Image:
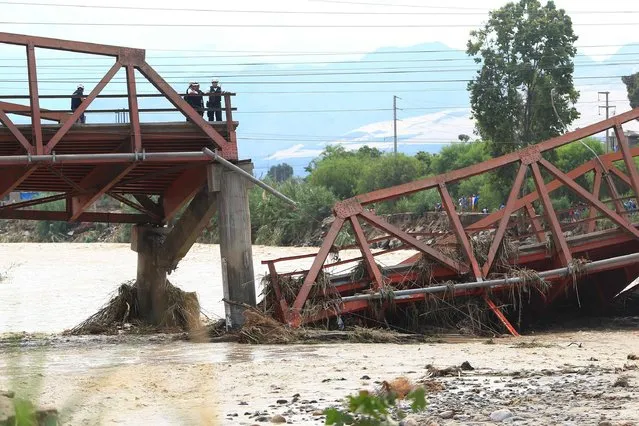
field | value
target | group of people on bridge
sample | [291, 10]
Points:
[194, 97]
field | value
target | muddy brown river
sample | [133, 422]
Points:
[567, 378]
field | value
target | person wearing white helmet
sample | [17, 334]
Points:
[214, 105]
[76, 100]
[194, 98]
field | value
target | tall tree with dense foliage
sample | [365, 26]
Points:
[632, 84]
[280, 172]
[525, 51]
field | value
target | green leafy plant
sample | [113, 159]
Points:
[366, 409]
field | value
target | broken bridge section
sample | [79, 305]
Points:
[527, 243]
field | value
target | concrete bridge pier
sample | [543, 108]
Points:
[148, 242]
[160, 249]
[234, 223]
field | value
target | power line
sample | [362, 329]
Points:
[320, 71]
[438, 10]
[248, 82]
[376, 52]
[195, 25]
[395, 5]
[478, 9]
[89, 67]
[252, 53]
[323, 92]
[318, 111]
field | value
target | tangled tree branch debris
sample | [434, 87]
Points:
[122, 313]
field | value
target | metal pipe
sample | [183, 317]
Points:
[597, 266]
[248, 176]
[107, 157]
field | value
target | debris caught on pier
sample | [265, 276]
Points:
[122, 313]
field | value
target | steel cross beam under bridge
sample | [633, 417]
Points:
[544, 239]
[153, 168]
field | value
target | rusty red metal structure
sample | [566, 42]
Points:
[609, 246]
[130, 162]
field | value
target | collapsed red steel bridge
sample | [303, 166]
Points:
[608, 239]
[161, 166]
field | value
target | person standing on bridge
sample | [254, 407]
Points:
[194, 97]
[76, 100]
[214, 104]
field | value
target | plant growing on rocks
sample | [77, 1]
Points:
[366, 409]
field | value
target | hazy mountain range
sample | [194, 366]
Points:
[289, 110]
[432, 113]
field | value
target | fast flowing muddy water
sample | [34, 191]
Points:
[578, 378]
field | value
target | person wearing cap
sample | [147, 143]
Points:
[214, 105]
[76, 100]
[194, 97]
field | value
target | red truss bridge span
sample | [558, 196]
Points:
[596, 251]
[154, 168]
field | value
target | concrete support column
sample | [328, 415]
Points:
[147, 241]
[235, 243]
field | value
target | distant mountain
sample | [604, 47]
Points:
[433, 114]
[289, 111]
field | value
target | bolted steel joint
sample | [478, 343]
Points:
[348, 208]
[131, 57]
[530, 155]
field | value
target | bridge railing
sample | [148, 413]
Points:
[130, 60]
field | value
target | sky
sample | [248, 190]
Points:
[333, 30]
[435, 22]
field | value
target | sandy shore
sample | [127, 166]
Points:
[566, 378]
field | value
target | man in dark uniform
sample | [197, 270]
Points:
[194, 97]
[215, 102]
[76, 100]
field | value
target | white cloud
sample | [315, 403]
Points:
[438, 127]
[296, 151]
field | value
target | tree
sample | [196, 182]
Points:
[425, 159]
[459, 155]
[280, 173]
[340, 170]
[387, 171]
[632, 84]
[525, 51]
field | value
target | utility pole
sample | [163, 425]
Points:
[395, 123]
[610, 145]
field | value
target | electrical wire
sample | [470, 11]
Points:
[248, 82]
[304, 26]
[438, 10]
[250, 54]
[320, 71]
[319, 92]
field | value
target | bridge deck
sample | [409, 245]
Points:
[146, 178]
[106, 138]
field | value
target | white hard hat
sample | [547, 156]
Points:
[80, 86]
[215, 80]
